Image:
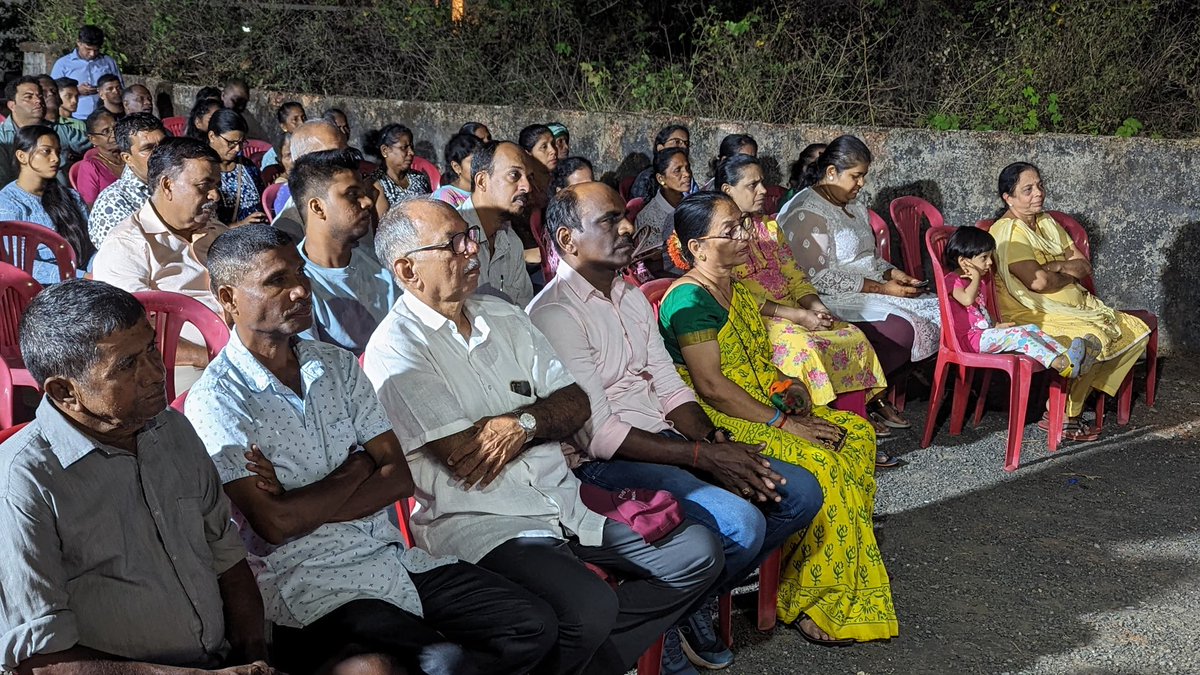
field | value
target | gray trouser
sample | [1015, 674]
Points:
[602, 629]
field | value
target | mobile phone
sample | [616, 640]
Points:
[922, 283]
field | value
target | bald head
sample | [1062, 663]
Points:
[407, 224]
[315, 136]
[588, 226]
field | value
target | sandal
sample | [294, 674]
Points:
[881, 430]
[886, 461]
[1076, 431]
[887, 415]
[845, 642]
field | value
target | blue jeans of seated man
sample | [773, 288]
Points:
[748, 532]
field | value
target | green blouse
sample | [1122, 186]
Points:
[689, 315]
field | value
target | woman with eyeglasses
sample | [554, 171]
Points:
[810, 343]
[241, 186]
[396, 180]
[833, 586]
[36, 196]
[102, 165]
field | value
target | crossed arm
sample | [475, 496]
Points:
[1054, 275]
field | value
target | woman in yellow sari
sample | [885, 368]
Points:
[833, 585]
[1037, 281]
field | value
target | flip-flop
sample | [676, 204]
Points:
[891, 423]
[886, 461]
[846, 642]
[881, 430]
[1075, 431]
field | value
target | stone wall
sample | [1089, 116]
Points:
[1138, 198]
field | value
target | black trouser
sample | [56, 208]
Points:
[474, 622]
[601, 629]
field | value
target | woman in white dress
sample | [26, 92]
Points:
[831, 239]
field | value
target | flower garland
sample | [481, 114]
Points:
[675, 250]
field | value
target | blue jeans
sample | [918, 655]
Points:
[748, 533]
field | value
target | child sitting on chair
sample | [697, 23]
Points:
[969, 254]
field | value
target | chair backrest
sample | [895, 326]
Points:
[985, 224]
[73, 175]
[883, 236]
[169, 312]
[268, 174]
[19, 241]
[774, 198]
[403, 513]
[655, 290]
[429, 169]
[11, 431]
[907, 213]
[625, 185]
[178, 403]
[254, 150]
[633, 207]
[176, 126]
[549, 255]
[17, 290]
[630, 278]
[268, 199]
[935, 242]
[6, 397]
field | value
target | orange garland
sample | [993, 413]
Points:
[675, 250]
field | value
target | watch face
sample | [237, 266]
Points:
[528, 422]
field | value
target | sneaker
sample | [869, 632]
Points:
[674, 661]
[1076, 354]
[700, 641]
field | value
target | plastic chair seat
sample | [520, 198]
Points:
[169, 312]
[268, 199]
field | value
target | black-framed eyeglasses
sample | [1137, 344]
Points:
[459, 244]
[107, 133]
[232, 144]
[742, 231]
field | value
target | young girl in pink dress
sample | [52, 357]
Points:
[969, 254]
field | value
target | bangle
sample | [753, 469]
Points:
[773, 420]
[695, 453]
[782, 420]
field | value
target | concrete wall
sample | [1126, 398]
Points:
[1138, 198]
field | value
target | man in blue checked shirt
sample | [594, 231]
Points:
[86, 65]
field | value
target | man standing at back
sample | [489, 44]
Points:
[501, 193]
[86, 65]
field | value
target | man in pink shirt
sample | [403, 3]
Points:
[646, 428]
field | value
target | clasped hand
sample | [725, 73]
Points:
[481, 459]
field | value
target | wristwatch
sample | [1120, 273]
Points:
[529, 424]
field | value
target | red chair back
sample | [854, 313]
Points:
[268, 199]
[169, 312]
[19, 241]
[907, 213]
[633, 207]
[73, 175]
[11, 431]
[1079, 237]
[549, 255]
[883, 236]
[270, 173]
[774, 199]
[254, 149]
[655, 290]
[631, 278]
[17, 290]
[178, 403]
[176, 126]
[427, 167]
[403, 513]
[624, 186]
[985, 224]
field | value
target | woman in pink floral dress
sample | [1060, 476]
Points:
[831, 356]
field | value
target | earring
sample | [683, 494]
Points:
[703, 258]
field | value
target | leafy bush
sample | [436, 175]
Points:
[1126, 67]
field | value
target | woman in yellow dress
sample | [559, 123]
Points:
[1038, 274]
[833, 584]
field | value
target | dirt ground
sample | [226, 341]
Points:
[1085, 561]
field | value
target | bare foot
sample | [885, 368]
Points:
[810, 628]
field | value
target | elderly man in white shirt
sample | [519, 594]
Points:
[480, 403]
[332, 567]
[501, 192]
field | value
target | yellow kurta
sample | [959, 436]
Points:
[1122, 336]
[830, 362]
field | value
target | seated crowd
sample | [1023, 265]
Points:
[586, 471]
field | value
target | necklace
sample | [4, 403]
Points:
[711, 286]
[114, 165]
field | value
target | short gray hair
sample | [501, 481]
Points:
[304, 141]
[399, 232]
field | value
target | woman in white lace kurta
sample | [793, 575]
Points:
[831, 239]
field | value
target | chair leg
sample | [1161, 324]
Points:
[1125, 399]
[1018, 403]
[768, 591]
[650, 662]
[1057, 412]
[981, 402]
[1151, 367]
[935, 401]
[958, 405]
[725, 619]
[1100, 410]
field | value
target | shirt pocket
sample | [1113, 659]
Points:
[341, 437]
[192, 528]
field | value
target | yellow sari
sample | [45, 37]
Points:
[833, 572]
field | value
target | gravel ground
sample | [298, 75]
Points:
[1085, 561]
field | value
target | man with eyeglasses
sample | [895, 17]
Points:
[137, 136]
[351, 291]
[480, 404]
[26, 105]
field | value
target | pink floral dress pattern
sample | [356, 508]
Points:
[830, 362]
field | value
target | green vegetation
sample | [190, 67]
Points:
[1123, 67]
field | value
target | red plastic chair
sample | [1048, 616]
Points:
[73, 175]
[6, 396]
[178, 403]
[1124, 397]
[19, 241]
[268, 199]
[774, 199]
[176, 126]
[633, 207]
[625, 185]
[427, 167]
[17, 290]
[268, 174]
[169, 312]
[907, 213]
[768, 572]
[549, 255]
[883, 235]
[1020, 371]
[254, 150]
[11, 431]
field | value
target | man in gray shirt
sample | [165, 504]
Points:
[118, 550]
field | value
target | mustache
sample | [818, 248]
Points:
[473, 264]
[625, 240]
